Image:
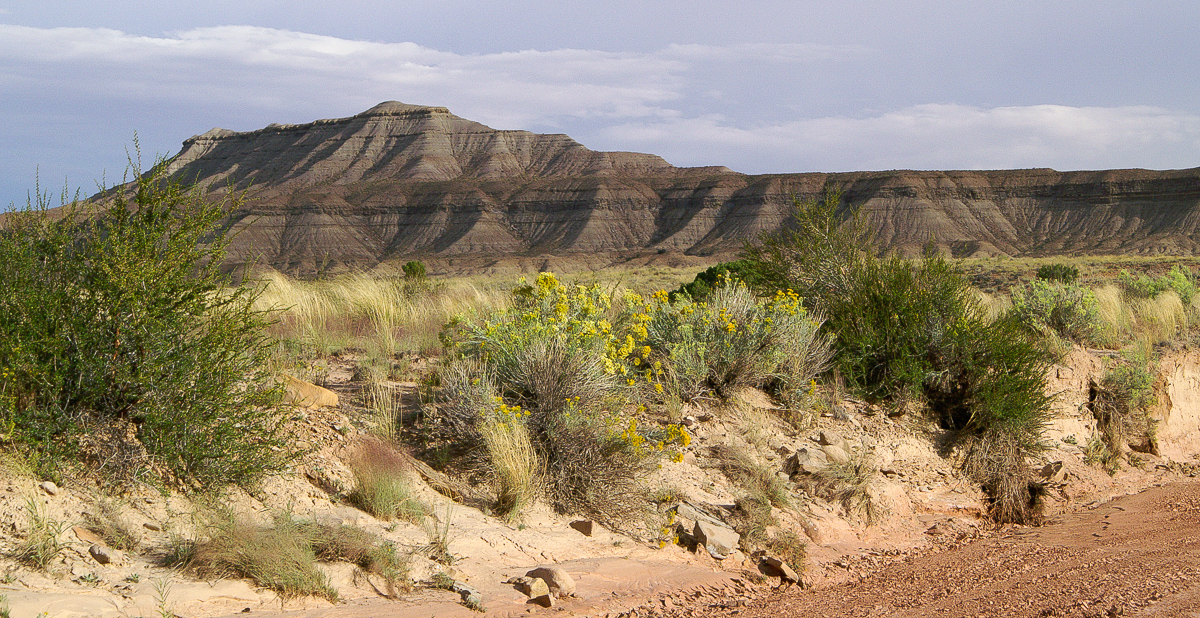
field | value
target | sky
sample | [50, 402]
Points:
[760, 86]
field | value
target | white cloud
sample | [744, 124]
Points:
[752, 106]
[934, 136]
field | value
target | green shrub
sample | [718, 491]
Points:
[1120, 402]
[414, 270]
[1068, 310]
[1060, 273]
[708, 280]
[122, 314]
[561, 363]
[914, 330]
[1179, 279]
[733, 340]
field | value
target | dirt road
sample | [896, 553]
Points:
[1134, 556]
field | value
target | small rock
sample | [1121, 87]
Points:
[49, 487]
[785, 450]
[689, 421]
[87, 536]
[836, 453]
[718, 540]
[806, 461]
[152, 526]
[101, 554]
[704, 418]
[1054, 472]
[781, 569]
[584, 526]
[829, 438]
[560, 581]
[935, 530]
[532, 587]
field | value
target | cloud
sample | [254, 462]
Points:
[755, 107]
[934, 136]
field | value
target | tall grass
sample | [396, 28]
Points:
[381, 484]
[361, 310]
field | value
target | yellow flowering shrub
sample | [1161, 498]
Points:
[732, 340]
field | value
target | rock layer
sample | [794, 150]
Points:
[402, 181]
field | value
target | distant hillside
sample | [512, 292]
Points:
[399, 182]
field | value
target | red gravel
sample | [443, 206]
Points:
[1134, 556]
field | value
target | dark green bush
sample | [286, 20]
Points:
[913, 330]
[1062, 273]
[115, 321]
[414, 269]
[707, 281]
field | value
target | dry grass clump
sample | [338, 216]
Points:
[760, 483]
[847, 483]
[514, 462]
[279, 557]
[111, 525]
[381, 484]
[283, 556]
[1161, 318]
[1116, 316]
[360, 548]
[43, 542]
[1119, 402]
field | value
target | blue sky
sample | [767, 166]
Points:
[759, 86]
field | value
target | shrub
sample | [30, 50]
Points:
[1179, 279]
[708, 280]
[914, 330]
[1068, 310]
[733, 340]
[122, 314]
[381, 484]
[1120, 402]
[414, 270]
[1060, 273]
[560, 363]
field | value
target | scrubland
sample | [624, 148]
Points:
[129, 363]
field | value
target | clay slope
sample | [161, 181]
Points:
[401, 181]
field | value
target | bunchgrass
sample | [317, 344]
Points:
[108, 522]
[382, 485]
[846, 483]
[514, 463]
[43, 541]
[279, 557]
[760, 483]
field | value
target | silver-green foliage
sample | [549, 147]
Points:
[1065, 309]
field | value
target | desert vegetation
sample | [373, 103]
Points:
[127, 357]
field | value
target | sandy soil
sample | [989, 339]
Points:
[1133, 556]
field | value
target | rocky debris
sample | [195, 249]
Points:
[102, 554]
[49, 487]
[807, 461]
[836, 454]
[779, 568]
[470, 596]
[87, 536]
[583, 526]
[561, 583]
[535, 588]
[830, 438]
[719, 540]
[1054, 472]
[306, 394]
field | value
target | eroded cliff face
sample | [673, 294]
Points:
[401, 181]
